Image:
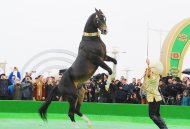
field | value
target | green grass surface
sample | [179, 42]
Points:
[61, 121]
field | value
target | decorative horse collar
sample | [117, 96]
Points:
[91, 34]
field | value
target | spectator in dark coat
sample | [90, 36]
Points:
[27, 87]
[48, 87]
[4, 83]
[162, 87]
[178, 85]
[103, 90]
[179, 99]
[168, 79]
[112, 91]
[17, 90]
[132, 86]
[137, 89]
[26, 76]
[121, 94]
[171, 88]
[134, 99]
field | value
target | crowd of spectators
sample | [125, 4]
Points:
[13, 88]
[173, 90]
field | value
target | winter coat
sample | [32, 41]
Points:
[4, 87]
[122, 93]
[27, 90]
[39, 90]
[17, 92]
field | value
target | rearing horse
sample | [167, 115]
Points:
[91, 55]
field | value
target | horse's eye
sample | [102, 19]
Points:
[103, 18]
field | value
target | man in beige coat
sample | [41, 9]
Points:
[150, 85]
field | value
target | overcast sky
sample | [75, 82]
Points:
[28, 27]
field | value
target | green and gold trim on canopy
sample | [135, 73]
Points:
[175, 47]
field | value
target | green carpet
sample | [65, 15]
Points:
[61, 121]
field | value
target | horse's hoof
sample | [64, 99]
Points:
[115, 61]
[76, 125]
[110, 72]
[90, 126]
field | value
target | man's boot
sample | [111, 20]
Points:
[162, 122]
[157, 121]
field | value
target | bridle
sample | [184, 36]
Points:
[99, 22]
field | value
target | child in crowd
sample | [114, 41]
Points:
[186, 99]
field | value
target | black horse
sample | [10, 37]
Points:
[91, 55]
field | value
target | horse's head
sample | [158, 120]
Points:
[100, 21]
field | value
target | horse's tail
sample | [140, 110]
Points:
[44, 107]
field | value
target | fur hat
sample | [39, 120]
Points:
[157, 67]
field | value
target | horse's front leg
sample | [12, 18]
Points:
[104, 66]
[108, 58]
[96, 60]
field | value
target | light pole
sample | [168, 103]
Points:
[127, 72]
[3, 66]
[115, 52]
[48, 73]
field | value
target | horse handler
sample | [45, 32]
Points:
[150, 85]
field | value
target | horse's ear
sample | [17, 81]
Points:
[96, 11]
[100, 11]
